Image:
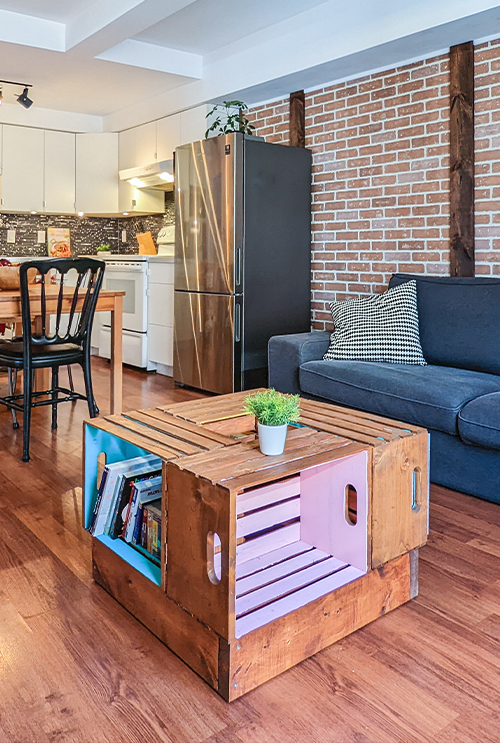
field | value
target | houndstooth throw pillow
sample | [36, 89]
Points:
[382, 327]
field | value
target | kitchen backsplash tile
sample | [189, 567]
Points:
[86, 233]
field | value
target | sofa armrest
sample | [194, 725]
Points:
[287, 352]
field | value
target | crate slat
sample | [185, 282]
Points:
[267, 494]
[287, 584]
[183, 447]
[281, 570]
[274, 557]
[296, 600]
[265, 518]
[172, 429]
[267, 542]
[322, 408]
[279, 471]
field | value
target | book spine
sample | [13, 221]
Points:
[149, 541]
[129, 527]
[144, 527]
[136, 536]
[106, 502]
[97, 504]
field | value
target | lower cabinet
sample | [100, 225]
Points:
[161, 316]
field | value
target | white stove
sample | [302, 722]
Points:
[129, 273]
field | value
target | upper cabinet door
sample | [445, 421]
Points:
[193, 124]
[126, 149]
[59, 173]
[97, 173]
[168, 136]
[145, 144]
[23, 169]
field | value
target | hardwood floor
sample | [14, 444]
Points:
[75, 667]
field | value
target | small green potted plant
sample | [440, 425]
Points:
[230, 118]
[274, 411]
[103, 248]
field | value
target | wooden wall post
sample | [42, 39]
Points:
[462, 159]
[297, 119]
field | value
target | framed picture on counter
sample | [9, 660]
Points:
[58, 242]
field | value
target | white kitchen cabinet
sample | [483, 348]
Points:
[168, 136]
[137, 146]
[97, 173]
[22, 180]
[161, 316]
[193, 124]
[59, 173]
[126, 149]
[145, 144]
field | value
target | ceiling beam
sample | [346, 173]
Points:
[154, 57]
[93, 31]
[25, 30]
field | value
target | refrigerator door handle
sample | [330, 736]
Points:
[237, 277]
[237, 323]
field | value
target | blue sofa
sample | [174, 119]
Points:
[456, 397]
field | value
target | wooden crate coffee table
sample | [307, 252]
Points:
[266, 560]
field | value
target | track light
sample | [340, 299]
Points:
[24, 100]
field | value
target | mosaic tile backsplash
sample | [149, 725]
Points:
[86, 233]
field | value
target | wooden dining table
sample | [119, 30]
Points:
[107, 301]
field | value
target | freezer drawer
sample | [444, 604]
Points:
[206, 342]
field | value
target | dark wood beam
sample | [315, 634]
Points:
[297, 119]
[462, 159]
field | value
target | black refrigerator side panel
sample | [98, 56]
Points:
[277, 250]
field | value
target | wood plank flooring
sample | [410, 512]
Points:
[75, 667]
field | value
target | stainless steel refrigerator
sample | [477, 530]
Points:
[242, 257]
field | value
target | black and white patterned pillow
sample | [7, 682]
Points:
[381, 327]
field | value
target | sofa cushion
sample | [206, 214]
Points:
[458, 319]
[429, 396]
[479, 421]
[379, 327]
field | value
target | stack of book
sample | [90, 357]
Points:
[128, 504]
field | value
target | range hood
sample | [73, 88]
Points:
[158, 175]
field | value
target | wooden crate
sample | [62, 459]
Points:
[399, 470]
[270, 559]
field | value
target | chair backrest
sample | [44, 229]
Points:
[67, 291]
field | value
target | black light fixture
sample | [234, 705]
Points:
[23, 98]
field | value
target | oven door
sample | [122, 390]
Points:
[132, 279]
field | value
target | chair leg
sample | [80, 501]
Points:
[27, 399]
[87, 376]
[70, 377]
[12, 391]
[55, 382]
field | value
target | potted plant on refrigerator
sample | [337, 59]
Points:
[230, 118]
[273, 411]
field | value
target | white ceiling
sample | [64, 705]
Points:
[112, 64]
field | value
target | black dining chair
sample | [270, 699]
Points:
[45, 344]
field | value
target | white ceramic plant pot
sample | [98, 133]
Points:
[272, 438]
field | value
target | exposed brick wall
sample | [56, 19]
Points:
[380, 178]
[487, 157]
[272, 121]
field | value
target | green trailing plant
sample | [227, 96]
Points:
[102, 248]
[230, 118]
[273, 408]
